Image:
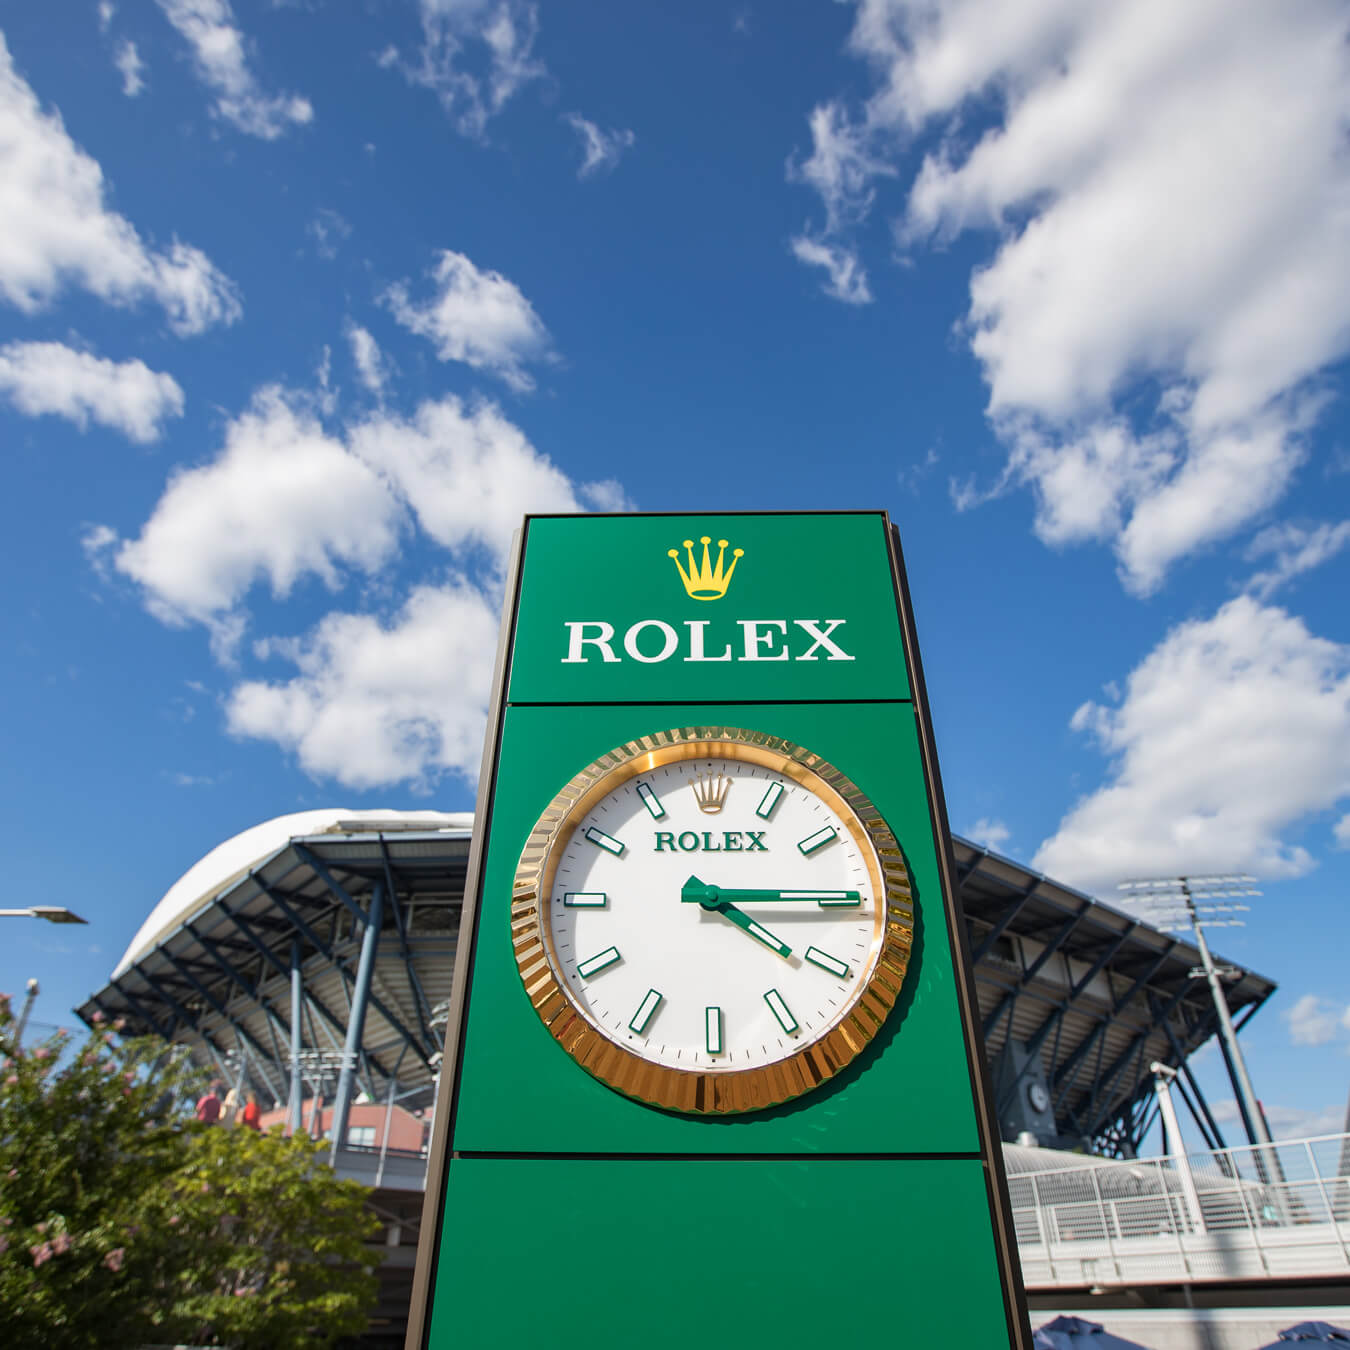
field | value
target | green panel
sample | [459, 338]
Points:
[616, 570]
[616, 1254]
[520, 1092]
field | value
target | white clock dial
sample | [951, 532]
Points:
[712, 915]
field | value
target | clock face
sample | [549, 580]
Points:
[713, 922]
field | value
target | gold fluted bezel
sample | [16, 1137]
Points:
[715, 1090]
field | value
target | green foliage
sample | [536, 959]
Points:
[123, 1221]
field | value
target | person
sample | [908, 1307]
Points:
[229, 1108]
[251, 1115]
[208, 1107]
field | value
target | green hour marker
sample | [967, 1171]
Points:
[585, 899]
[826, 962]
[605, 841]
[712, 1021]
[770, 799]
[812, 842]
[651, 801]
[593, 965]
[644, 1013]
[781, 1011]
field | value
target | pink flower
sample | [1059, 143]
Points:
[41, 1253]
[97, 1018]
[206, 1188]
[61, 1244]
[42, 1053]
[12, 1173]
[119, 1024]
[130, 1077]
[173, 1220]
[11, 1080]
[39, 1227]
[114, 1259]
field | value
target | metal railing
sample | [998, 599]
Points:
[1279, 1210]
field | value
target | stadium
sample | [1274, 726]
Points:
[309, 959]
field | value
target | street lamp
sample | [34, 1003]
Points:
[52, 913]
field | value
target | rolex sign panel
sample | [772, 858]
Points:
[713, 1065]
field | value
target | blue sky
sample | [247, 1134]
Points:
[303, 304]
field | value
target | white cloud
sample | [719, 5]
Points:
[1315, 1021]
[286, 499]
[1297, 549]
[846, 276]
[988, 832]
[130, 66]
[220, 60]
[376, 704]
[476, 317]
[1293, 1122]
[281, 501]
[1340, 832]
[369, 361]
[106, 10]
[841, 167]
[606, 495]
[58, 232]
[329, 229]
[468, 474]
[1172, 205]
[47, 377]
[476, 54]
[601, 150]
[1231, 730]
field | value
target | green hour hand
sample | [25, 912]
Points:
[696, 890]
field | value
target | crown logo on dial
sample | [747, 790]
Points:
[705, 580]
[710, 791]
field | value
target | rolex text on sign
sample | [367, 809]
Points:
[654, 640]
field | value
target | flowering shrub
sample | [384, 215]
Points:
[123, 1221]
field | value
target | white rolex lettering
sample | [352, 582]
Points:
[812, 629]
[577, 638]
[755, 639]
[630, 640]
[696, 629]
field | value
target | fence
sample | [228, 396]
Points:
[1277, 1211]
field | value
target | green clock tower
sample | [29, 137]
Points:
[712, 1068]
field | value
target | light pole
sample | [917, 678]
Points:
[52, 913]
[1191, 902]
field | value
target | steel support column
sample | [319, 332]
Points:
[356, 1022]
[295, 1104]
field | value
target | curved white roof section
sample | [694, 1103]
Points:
[227, 862]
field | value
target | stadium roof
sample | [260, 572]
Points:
[1094, 994]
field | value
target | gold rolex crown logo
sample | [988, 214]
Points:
[710, 791]
[704, 581]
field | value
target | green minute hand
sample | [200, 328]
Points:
[696, 890]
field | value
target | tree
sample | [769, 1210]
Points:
[124, 1221]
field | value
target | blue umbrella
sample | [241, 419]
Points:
[1077, 1333]
[1311, 1333]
